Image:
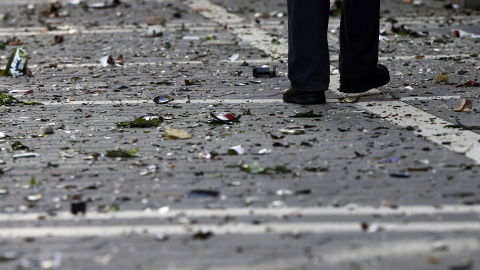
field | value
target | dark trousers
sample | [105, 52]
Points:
[308, 57]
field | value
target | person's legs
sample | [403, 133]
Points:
[308, 58]
[359, 30]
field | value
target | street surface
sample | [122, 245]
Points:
[384, 180]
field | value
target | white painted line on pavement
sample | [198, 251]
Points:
[83, 31]
[428, 126]
[237, 229]
[427, 56]
[166, 212]
[390, 102]
[275, 46]
[429, 98]
[210, 61]
[184, 101]
[163, 63]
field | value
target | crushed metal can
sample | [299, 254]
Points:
[264, 72]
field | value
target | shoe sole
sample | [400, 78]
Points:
[308, 99]
[355, 89]
[304, 101]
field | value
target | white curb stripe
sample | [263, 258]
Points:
[276, 47]
[209, 61]
[160, 63]
[237, 229]
[364, 104]
[428, 126]
[166, 212]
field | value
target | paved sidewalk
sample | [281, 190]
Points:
[385, 180]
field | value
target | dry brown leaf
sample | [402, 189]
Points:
[200, 9]
[261, 15]
[466, 106]
[442, 78]
[175, 134]
[155, 20]
[433, 259]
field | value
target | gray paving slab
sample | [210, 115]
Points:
[348, 157]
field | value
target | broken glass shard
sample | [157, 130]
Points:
[225, 117]
[460, 34]
[3, 190]
[264, 151]
[168, 116]
[162, 99]
[105, 4]
[192, 82]
[17, 64]
[275, 137]
[9, 256]
[161, 237]
[42, 261]
[47, 129]
[122, 153]
[280, 144]
[390, 160]
[303, 192]
[107, 61]
[317, 169]
[20, 91]
[201, 193]
[284, 192]
[294, 131]
[7, 100]
[308, 114]
[25, 155]
[33, 197]
[19, 146]
[469, 83]
[116, 85]
[234, 57]
[4, 135]
[203, 234]
[145, 121]
[400, 174]
[466, 264]
[154, 31]
[236, 150]
[419, 169]
[255, 168]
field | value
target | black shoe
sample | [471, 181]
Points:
[303, 97]
[359, 85]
